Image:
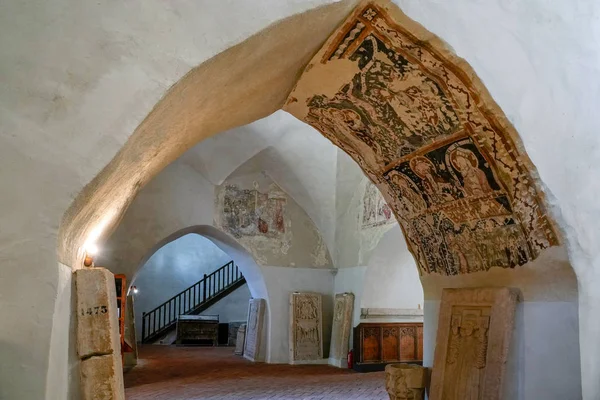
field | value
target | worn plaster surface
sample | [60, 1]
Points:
[79, 77]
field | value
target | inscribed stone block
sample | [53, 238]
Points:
[474, 330]
[97, 320]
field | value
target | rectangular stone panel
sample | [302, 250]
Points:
[97, 321]
[239, 342]
[130, 357]
[102, 378]
[474, 330]
[306, 327]
[252, 345]
[341, 329]
[233, 328]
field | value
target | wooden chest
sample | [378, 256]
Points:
[197, 329]
[378, 344]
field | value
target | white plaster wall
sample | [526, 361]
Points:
[78, 77]
[282, 281]
[232, 308]
[177, 198]
[392, 278]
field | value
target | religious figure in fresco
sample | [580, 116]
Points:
[436, 188]
[376, 212]
[443, 152]
[411, 201]
[474, 181]
[251, 212]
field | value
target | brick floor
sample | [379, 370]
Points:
[178, 373]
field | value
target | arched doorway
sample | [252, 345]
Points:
[469, 171]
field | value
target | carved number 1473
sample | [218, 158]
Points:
[94, 310]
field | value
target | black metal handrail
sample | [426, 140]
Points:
[163, 317]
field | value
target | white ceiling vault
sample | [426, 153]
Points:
[292, 153]
[77, 78]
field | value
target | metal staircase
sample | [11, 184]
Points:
[192, 300]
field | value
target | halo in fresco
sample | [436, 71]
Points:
[425, 130]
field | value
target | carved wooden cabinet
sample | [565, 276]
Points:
[378, 344]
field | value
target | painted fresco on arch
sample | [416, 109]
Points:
[423, 128]
[250, 212]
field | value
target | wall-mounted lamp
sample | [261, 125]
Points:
[135, 289]
[90, 251]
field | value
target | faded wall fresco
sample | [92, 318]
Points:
[248, 212]
[376, 212]
[425, 130]
[268, 223]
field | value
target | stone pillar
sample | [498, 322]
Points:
[405, 381]
[98, 342]
[130, 357]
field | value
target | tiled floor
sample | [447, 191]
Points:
[177, 373]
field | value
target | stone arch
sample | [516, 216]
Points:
[242, 258]
[193, 109]
[228, 245]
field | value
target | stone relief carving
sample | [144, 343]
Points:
[306, 327]
[471, 351]
[341, 329]
[425, 130]
[405, 381]
[252, 344]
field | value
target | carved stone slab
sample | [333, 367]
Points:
[131, 358]
[256, 313]
[341, 329]
[239, 342]
[474, 330]
[306, 327]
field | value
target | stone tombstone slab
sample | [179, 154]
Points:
[405, 381]
[130, 358]
[306, 327]
[256, 313]
[341, 329]
[102, 378]
[474, 332]
[239, 342]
